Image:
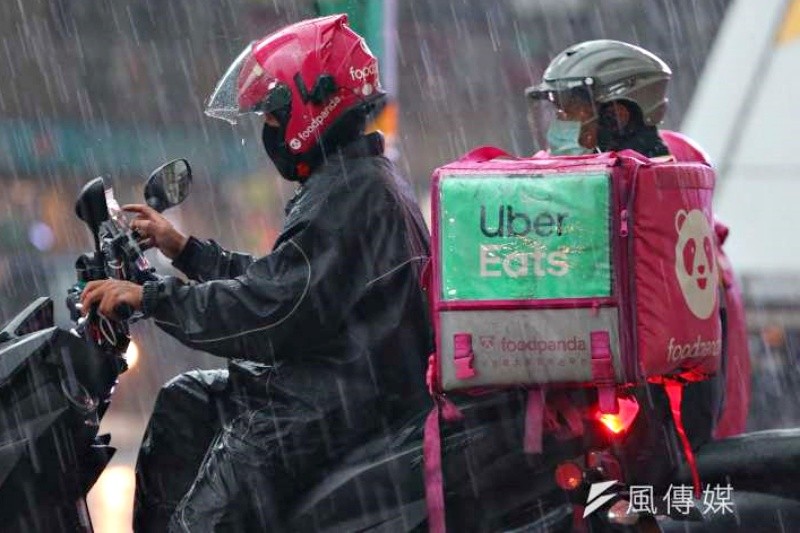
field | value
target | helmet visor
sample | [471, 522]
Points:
[246, 87]
[544, 90]
[545, 105]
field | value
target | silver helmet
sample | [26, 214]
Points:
[609, 71]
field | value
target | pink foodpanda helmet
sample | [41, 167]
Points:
[317, 77]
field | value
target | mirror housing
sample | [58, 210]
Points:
[168, 185]
[91, 207]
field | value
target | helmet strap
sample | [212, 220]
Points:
[323, 88]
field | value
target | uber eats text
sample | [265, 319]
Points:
[497, 260]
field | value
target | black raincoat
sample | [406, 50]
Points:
[327, 337]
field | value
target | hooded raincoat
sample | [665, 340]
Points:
[327, 337]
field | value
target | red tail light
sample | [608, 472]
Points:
[568, 476]
[620, 422]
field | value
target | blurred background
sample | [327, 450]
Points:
[116, 88]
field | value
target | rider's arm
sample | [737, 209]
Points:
[207, 260]
[298, 294]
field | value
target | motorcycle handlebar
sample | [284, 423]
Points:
[124, 312]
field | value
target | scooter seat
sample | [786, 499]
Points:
[380, 486]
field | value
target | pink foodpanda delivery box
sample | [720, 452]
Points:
[590, 271]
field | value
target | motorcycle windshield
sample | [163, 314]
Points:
[115, 212]
[246, 87]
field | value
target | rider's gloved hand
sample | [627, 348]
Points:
[111, 297]
[156, 230]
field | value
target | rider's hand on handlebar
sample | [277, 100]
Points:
[111, 295]
[156, 230]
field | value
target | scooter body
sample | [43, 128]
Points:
[56, 383]
[54, 388]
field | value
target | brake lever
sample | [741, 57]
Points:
[84, 320]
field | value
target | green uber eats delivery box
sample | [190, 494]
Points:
[590, 271]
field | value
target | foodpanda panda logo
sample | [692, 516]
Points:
[695, 263]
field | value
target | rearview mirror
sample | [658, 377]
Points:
[91, 206]
[168, 185]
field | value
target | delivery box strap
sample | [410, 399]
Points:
[674, 390]
[432, 455]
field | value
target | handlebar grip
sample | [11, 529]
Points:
[137, 237]
[123, 311]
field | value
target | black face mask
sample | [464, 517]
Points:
[278, 152]
[298, 167]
